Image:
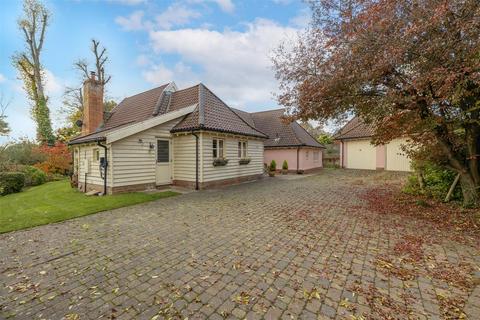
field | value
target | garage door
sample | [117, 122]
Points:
[396, 160]
[361, 154]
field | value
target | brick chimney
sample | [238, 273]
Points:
[92, 104]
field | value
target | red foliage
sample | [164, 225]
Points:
[58, 159]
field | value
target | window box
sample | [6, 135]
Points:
[220, 162]
[244, 161]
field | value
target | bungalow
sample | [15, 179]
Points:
[288, 141]
[166, 136]
[357, 152]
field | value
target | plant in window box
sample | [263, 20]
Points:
[220, 162]
[244, 161]
[272, 168]
[285, 167]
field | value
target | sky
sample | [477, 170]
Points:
[225, 44]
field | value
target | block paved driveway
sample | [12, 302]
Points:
[279, 248]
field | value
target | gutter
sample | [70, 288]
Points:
[106, 167]
[196, 159]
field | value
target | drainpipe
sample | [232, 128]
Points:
[106, 167]
[196, 159]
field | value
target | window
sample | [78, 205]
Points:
[217, 148]
[316, 155]
[306, 154]
[96, 154]
[163, 151]
[242, 149]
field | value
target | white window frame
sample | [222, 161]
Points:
[306, 154]
[316, 156]
[218, 148]
[242, 149]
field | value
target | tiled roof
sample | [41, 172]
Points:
[281, 133]
[355, 128]
[135, 108]
[212, 114]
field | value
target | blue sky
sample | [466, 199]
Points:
[225, 44]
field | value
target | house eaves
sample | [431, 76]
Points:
[116, 135]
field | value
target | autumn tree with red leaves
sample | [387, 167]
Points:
[410, 68]
[58, 159]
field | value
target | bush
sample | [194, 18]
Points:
[273, 166]
[11, 182]
[21, 152]
[285, 165]
[437, 182]
[34, 176]
[58, 159]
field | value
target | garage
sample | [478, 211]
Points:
[356, 151]
[396, 159]
[360, 155]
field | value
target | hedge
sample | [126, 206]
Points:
[34, 176]
[11, 182]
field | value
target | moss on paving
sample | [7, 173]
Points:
[57, 201]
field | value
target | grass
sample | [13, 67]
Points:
[57, 201]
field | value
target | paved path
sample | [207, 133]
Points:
[305, 248]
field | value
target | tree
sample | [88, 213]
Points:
[4, 127]
[73, 96]
[314, 131]
[33, 24]
[405, 74]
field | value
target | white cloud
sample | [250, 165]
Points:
[175, 15]
[226, 5]
[2, 78]
[235, 64]
[132, 22]
[181, 73]
[302, 19]
[53, 85]
[128, 2]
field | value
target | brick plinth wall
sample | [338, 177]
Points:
[216, 183]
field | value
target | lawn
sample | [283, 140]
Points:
[57, 201]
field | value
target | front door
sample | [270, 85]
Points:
[163, 171]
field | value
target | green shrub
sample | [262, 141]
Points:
[273, 165]
[437, 182]
[11, 182]
[34, 176]
[285, 165]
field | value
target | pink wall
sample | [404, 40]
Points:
[380, 156]
[308, 162]
[279, 155]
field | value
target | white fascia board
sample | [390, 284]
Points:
[147, 124]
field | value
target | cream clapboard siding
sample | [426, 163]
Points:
[85, 152]
[233, 168]
[134, 162]
[396, 159]
[184, 157]
[361, 154]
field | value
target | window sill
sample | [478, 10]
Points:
[244, 161]
[220, 162]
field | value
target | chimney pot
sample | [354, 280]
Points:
[92, 75]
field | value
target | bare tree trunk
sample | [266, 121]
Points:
[469, 191]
